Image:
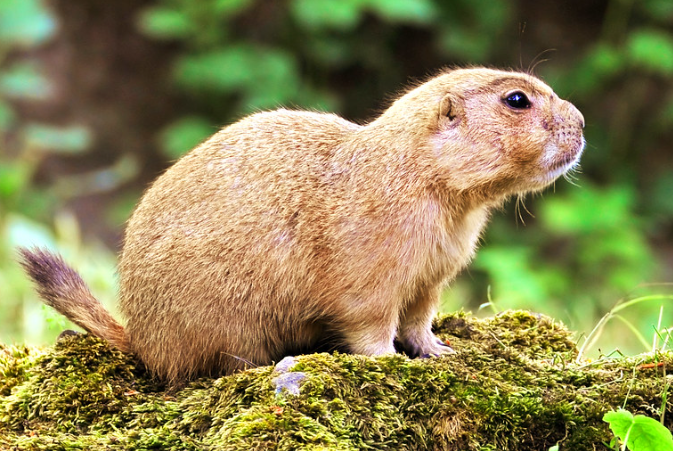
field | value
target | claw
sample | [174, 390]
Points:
[446, 346]
[447, 350]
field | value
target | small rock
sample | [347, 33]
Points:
[288, 381]
[284, 365]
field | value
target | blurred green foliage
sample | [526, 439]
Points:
[25, 22]
[582, 247]
[24, 209]
[311, 40]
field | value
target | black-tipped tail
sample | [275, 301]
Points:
[63, 289]
[53, 278]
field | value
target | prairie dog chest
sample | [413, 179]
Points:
[454, 243]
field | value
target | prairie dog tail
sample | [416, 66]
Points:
[62, 288]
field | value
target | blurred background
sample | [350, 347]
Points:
[97, 98]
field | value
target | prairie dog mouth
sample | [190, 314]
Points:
[565, 162]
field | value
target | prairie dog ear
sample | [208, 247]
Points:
[450, 107]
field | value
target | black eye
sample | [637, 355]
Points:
[517, 100]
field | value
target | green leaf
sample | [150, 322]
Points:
[652, 50]
[470, 44]
[223, 70]
[13, 178]
[419, 11]
[605, 60]
[648, 434]
[24, 81]
[340, 15]
[276, 80]
[25, 22]
[183, 134]
[266, 77]
[599, 209]
[515, 275]
[620, 421]
[230, 7]
[471, 29]
[641, 433]
[71, 140]
[164, 23]
[600, 64]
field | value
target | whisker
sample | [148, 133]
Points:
[526, 208]
[572, 176]
[536, 62]
[517, 209]
[520, 207]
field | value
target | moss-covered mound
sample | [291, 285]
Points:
[513, 385]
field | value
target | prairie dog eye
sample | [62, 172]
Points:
[517, 100]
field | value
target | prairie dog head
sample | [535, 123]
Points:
[506, 132]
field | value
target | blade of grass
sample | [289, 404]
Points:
[598, 329]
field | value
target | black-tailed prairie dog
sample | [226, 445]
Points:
[288, 228]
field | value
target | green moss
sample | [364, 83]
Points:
[513, 384]
[13, 363]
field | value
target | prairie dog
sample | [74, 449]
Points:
[291, 226]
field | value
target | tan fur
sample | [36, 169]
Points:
[289, 227]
